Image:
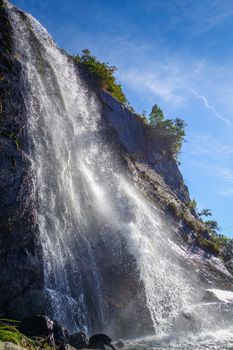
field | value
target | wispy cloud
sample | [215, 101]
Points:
[200, 144]
[226, 174]
[153, 83]
[226, 193]
[211, 108]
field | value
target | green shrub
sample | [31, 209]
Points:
[169, 133]
[215, 244]
[192, 204]
[212, 246]
[103, 73]
[174, 209]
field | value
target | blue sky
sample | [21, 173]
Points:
[176, 53]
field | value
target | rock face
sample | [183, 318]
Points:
[10, 346]
[21, 267]
[135, 137]
[23, 291]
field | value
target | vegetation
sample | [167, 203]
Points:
[10, 333]
[169, 132]
[217, 241]
[193, 204]
[103, 73]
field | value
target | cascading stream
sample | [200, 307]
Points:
[85, 202]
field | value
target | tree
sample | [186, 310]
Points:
[156, 116]
[170, 133]
[212, 226]
[205, 212]
[102, 73]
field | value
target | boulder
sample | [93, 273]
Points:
[38, 326]
[60, 334]
[99, 341]
[78, 340]
[120, 344]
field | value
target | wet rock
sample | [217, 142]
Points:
[65, 347]
[60, 334]
[38, 326]
[99, 341]
[210, 297]
[33, 302]
[120, 344]
[78, 340]
[186, 322]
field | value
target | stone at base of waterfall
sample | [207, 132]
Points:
[99, 341]
[78, 340]
[60, 334]
[120, 344]
[10, 346]
[36, 326]
[41, 326]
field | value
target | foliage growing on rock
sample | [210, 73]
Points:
[10, 333]
[169, 132]
[103, 73]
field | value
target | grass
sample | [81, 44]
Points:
[10, 333]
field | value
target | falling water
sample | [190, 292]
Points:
[85, 201]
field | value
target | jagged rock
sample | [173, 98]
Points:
[60, 334]
[99, 341]
[38, 326]
[78, 340]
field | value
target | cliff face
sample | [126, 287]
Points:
[159, 178]
[98, 264]
[19, 247]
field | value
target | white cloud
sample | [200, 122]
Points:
[226, 193]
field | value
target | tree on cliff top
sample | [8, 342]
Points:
[169, 132]
[103, 74]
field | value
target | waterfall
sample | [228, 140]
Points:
[98, 232]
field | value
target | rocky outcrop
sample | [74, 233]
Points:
[157, 175]
[135, 136]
